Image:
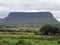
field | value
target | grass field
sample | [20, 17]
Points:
[22, 38]
[26, 36]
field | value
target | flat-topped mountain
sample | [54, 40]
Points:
[30, 17]
[30, 14]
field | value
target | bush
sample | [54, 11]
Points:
[58, 42]
[48, 29]
[23, 42]
[5, 40]
[50, 39]
[20, 42]
[37, 33]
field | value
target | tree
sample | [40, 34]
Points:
[48, 29]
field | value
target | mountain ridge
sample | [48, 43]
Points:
[30, 14]
[30, 17]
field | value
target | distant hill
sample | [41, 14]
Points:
[29, 18]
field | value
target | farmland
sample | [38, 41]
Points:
[27, 37]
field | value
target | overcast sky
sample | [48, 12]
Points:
[7, 6]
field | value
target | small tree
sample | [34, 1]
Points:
[48, 29]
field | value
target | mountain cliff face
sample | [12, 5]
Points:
[30, 14]
[30, 17]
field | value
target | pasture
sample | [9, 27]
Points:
[22, 38]
[49, 35]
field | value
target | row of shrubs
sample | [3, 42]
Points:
[31, 37]
[23, 42]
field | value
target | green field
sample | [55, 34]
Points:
[29, 36]
[22, 38]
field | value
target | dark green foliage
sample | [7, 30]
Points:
[50, 39]
[58, 42]
[22, 42]
[48, 29]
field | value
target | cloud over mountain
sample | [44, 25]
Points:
[29, 5]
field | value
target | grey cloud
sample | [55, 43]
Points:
[33, 5]
[26, 5]
[3, 14]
